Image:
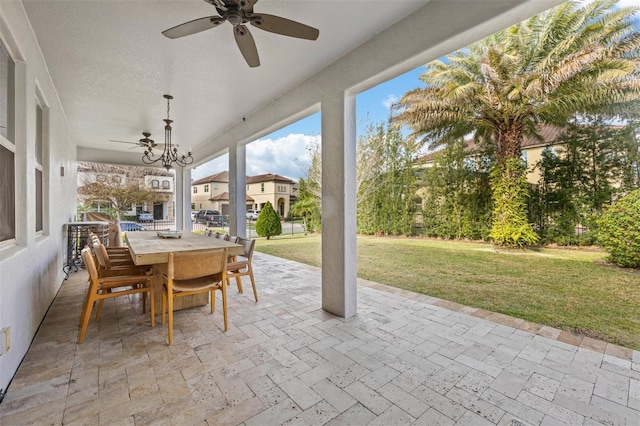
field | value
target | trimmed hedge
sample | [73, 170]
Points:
[268, 223]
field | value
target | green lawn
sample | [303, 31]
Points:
[568, 289]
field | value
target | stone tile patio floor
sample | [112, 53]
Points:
[404, 359]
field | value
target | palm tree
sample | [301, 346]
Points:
[571, 60]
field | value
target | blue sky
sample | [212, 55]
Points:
[284, 151]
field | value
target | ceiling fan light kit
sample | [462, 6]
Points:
[170, 154]
[238, 13]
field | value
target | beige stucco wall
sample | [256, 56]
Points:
[534, 155]
[201, 199]
[278, 193]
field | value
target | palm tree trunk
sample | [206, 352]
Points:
[508, 140]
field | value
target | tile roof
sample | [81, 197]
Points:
[268, 177]
[547, 133]
[225, 197]
[224, 177]
[217, 177]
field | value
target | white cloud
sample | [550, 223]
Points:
[389, 101]
[628, 3]
[286, 156]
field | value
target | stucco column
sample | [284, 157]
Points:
[183, 199]
[339, 275]
[238, 191]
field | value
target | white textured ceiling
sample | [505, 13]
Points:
[111, 64]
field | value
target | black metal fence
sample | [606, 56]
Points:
[289, 226]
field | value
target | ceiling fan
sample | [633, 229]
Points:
[145, 142]
[238, 13]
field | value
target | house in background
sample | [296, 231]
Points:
[212, 192]
[154, 179]
[279, 190]
[532, 149]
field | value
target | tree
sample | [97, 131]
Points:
[456, 196]
[573, 59]
[386, 182]
[309, 202]
[307, 207]
[592, 165]
[268, 223]
[118, 196]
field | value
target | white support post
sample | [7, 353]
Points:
[183, 199]
[339, 274]
[238, 191]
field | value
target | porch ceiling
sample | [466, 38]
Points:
[111, 64]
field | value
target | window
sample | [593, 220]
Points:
[166, 184]
[101, 178]
[523, 157]
[247, 187]
[155, 184]
[39, 168]
[262, 187]
[215, 186]
[193, 206]
[206, 188]
[195, 189]
[7, 147]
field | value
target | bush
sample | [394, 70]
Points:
[619, 231]
[268, 223]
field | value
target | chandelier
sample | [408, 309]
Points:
[170, 154]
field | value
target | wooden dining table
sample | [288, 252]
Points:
[148, 248]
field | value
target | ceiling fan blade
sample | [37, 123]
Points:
[247, 46]
[284, 26]
[130, 143]
[193, 27]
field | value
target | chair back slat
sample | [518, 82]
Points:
[188, 265]
[102, 255]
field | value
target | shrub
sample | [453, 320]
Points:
[510, 227]
[619, 231]
[268, 223]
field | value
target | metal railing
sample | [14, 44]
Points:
[289, 226]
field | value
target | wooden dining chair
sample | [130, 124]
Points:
[192, 273]
[230, 238]
[115, 252]
[107, 260]
[241, 265]
[108, 287]
[108, 267]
